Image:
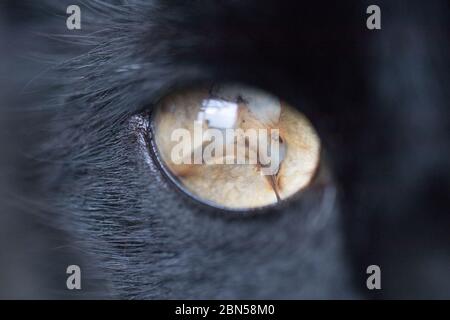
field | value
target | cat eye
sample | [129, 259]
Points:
[234, 147]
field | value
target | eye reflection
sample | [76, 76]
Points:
[233, 146]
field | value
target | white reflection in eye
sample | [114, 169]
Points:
[264, 151]
[218, 114]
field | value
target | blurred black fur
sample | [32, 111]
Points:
[379, 100]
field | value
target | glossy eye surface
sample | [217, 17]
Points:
[233, 146]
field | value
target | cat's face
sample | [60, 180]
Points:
[376, 99]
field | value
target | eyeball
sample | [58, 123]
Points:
[234, 147]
